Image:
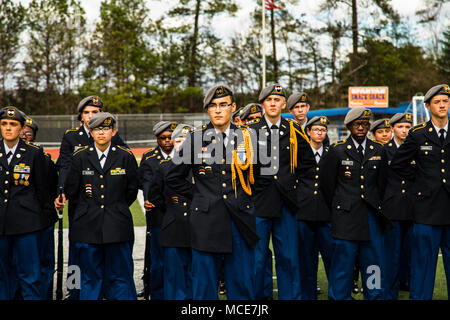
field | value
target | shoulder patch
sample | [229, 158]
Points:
[296, 124]
[79, 150]
[165, 160]
[153, 155]
[32, 145]
[147, 152]
[419, 126]
[125, 149]
[200, 129]
[380, 143]
[72, 130]
[339, 142]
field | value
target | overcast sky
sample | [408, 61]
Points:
[405, 8]
[226, 26]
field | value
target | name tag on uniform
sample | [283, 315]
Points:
[117, 172]
[347, 163]
[426, 148]
[88, 173]
[375, 158]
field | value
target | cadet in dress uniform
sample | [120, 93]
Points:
[104, 182]
[314, 218]
[251, 111]
[298, 105]
[152, 185]
[222, 221]
[397, 207]
[381, 130]
[24, 198]
[47, 244]
[73, 140]
[174, 236]
[428, 145]
[285, 145]
[353, 181]
[79, 137]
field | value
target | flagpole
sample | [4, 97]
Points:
[263, 46]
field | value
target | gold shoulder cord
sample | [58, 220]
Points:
[236, 165]
[293, 143]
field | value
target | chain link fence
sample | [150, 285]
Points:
[136, 129]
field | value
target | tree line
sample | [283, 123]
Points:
[50, 58]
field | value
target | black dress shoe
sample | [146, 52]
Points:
[140, 294]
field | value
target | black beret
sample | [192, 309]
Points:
[437, 90]
[296, 98]
[380, 124]
[251, 108]
[275, 89]
[359, 113]
[102, 119]
[401, 118]
[12, 113]
[93, 101]
[215, 92]
[182, 130]
[318, 121]
[162, 126]
[237, 113]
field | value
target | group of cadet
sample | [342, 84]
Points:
[215, 196]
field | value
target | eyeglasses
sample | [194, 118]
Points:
[27, 134]
[364, 124]
[221, 106]
[165, 138]
[102, 129]
[317, 130]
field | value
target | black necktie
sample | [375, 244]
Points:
[441, 137]
[224, 136]
[361, 152]
[8, 156]
[273, 129]
[101, 158]
[317, 155]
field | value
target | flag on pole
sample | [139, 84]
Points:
[270, 5]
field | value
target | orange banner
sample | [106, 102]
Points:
[373, 97]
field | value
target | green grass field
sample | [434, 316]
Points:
[440, 285]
